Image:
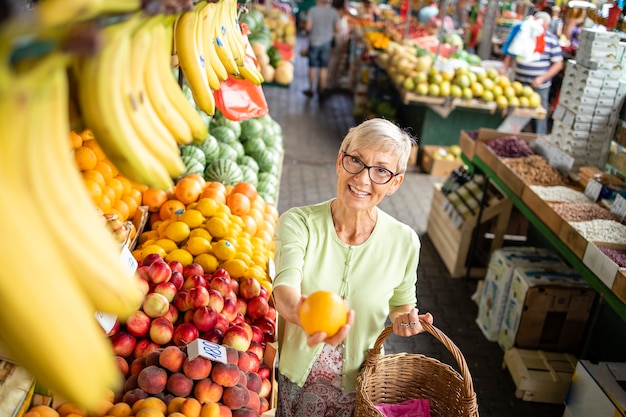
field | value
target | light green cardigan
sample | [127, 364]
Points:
[374, 277]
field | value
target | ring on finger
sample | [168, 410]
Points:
[404, 324]
[413, 324]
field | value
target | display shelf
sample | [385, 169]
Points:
[569, 254]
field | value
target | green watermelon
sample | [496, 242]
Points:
[249, 175]
[227, 152]
[193, 167]
[254, 146]
[266, 159]
[238, 147]
[211, 149]
[249, 161]
[220, 120]
[194, 152]
[251, 128]
[267, 179]
[225, 171]
[223, 134]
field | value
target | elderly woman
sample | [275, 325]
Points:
[349, 246]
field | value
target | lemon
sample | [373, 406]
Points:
[208, 262]
[149, 235]
[180, 255]
[207, 206]
[162, 226]
[147, 250]
[257, 272]
[201, 232]
[167, 244]
[217, 227]
[177, 231]
[244, 257]
[223, 250]
[235, 267]
[198, 245]
[193, 218]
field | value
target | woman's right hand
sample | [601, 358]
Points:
[336, 339]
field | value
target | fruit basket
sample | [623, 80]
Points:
[395, 378]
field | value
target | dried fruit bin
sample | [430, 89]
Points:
[394, 378]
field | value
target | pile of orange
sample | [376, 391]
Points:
[109, 190]
[214, 225]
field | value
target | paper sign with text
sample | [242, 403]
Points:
[206, 349]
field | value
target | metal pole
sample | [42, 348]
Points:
[489, 23]
[407, 23]
[443, 5]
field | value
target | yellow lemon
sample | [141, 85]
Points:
[180, 255]
[193, 218]
[257, 272]
[147, 250]
[235, 267]
[217, 227]
[224, 249]
[207, 206]
[177, 231]
[247, 259]
[162, 226]
[208, 262]
[198, 245]
[167, 244]
[149, 235]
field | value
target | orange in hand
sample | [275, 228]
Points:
[323, 311]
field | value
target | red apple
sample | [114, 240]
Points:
[151, 258]
[142, 271]
[167, 288]
[230, 309]
[159, 272]
[185, 333]
[242, 306]
[257, 333]
[239, 318]
[254, 358]
[264, 293]
[257, 307]
[264, 371]
[192, 269]
[176, 266]
[161, 331]
[204, 318]
[216, 300]
[249, 288]
[182, 300]
[266, 387]
[115, 328]
[221, 272]
[234, 286]
[222, 322]
[271, 313]
[220, 284]
[199, 296]
[144, 347]
[258, 349]
[172, 314]
[144, 286]
[155, 305]
[214, 336]
[194, 281]
[123, 343]
[237, 337]
[188, 317]
[268, 327]
[177, 279]
[138, 323]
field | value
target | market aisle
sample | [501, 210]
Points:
[312, 132]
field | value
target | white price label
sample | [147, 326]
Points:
[128, 259]
[542, 147]
[206, 349]
[593, 190]
[271, 269]
[561, 160]
[619, 207]
[107, 321]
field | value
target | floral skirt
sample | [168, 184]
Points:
[321, 395]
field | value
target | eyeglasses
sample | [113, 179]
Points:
[354, 165]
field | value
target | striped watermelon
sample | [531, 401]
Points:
[224, 134]
[249, 175]
[267, 159]
[254, 146]
[238, 147]
[227, 152]
[193, 152]
[225, 171]
[211, 149]
[220, 120]
[249, 161]
[193, 167]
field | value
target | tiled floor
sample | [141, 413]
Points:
[312, 132]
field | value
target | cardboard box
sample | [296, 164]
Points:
[597, 390]
[16, 389]
[438, 167]
[540, 376]
[546, 310]
[497, 281]
[467, 144]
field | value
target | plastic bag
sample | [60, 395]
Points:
[241, 99]
[418, 407]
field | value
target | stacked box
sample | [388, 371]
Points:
[597, 390]
[590, 99]
[546, 309]
[495, 288]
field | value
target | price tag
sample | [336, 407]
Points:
[206, 349]
[561, 160]
[128, 259]
[271, 269]
[542, 147]
[619, 207]
[593, 190]
[107, 321]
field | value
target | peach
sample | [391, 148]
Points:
[176, 414]
[197, 368]
[120, 409]
[137, 365]
[236, 396]
[150, 412]
[43, 411]
[172, 358]
[243, 379]
[68, 408]
[150, 402]
[191, 407]
[132, 396]
[254, 402]
[265, 405]
[145, 347]
[225, 374]
[245, 412]
[258, 348]
[206, 391]
[245, 363]
[253, 382]
[130, 383]
[152, 379]
[179, 384]
[232, 355]
[266, 388]
[225, 411]
[102, 408]
[122, 364]
[210, 410]
[153, 358]
[174, 405]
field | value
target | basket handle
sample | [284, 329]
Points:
[374, 353]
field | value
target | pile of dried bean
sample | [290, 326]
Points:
[580, 212]
[535, 170]
[600, 230]
[560, 194]
[510, 147]
[616, 255]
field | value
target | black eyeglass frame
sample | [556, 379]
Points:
[364, 166]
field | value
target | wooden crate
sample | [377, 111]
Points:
[542, 210]
[540, 376]
[438, 167]
[453, 243]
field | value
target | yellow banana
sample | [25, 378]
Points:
[189, 56]
[227, 12]
[46, 321]
[163, 36]
[71, 218]
[222, 47]
[250, 73]
[50, 13]
[164, 108]
[100, 83]
[210, 54]
[203, 38]
[148, 126]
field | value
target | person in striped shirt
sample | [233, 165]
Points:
[539, 73]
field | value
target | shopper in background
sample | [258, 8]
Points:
[556, 23]
[351, 247]
[369, 11]
[428, 11]
[322, 24]
[539, 73]
[339, 51]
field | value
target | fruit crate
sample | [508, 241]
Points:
[438, 167]
[454, 243]
[16, 389]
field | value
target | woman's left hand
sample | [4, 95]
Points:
[408, 324]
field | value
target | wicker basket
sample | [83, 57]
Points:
[394, 378]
